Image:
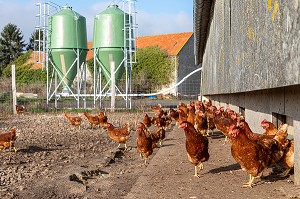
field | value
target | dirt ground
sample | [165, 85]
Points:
[54, 160]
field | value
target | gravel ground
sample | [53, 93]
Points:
[54, 160]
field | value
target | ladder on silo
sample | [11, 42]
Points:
[40, 43]
[130, 27]
[41, 27]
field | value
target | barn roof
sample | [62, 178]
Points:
[90, 53]
[172, 43]
[34, 57]
[202, 13]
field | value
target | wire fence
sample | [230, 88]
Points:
[34, 97]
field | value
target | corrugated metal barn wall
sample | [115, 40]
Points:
[252, 45]
[252, 62]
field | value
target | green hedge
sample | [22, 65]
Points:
[24, 72]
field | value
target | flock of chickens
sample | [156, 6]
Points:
[118, 134]
[252, 151]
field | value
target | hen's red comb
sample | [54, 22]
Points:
[262, 122]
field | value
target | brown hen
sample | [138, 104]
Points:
[102, 119]
[93, 120]
[269, 127]
[158, 136]
[201, 123]
[144, 142]
[20, 109]
[191, 114]
[148, 120]
[119, 135]
[196, 146]
[7, 140]
[252, 155]
[182, 116]
[157, 109]
[174, 114]
[251, 135]
[183, 107]
[222, 123]
[287, 161]
[74, 120]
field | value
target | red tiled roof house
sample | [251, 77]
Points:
[180, 48]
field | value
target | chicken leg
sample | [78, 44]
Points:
[249, 184]
[144, 157]
[14, 148]
[226, 139]
[200, 165]
[146, 160]
[124, 145]
[285, 173]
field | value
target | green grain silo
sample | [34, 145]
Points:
[67, 41]
[108, 39]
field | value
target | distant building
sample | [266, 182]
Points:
[180, 48]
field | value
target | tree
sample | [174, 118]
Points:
[153, 64]
[34, 39]
[11, 45]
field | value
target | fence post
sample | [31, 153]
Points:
[13, 85]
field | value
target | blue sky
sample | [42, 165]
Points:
[153, 16]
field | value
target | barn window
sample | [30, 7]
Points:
[278, 119]
[242, 111]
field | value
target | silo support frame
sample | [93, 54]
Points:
[62, 77]
[81, 76]
[106, 85]
[102, 67]
[99, 91]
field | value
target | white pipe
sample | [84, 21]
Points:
[151, 94]
[168, 89]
